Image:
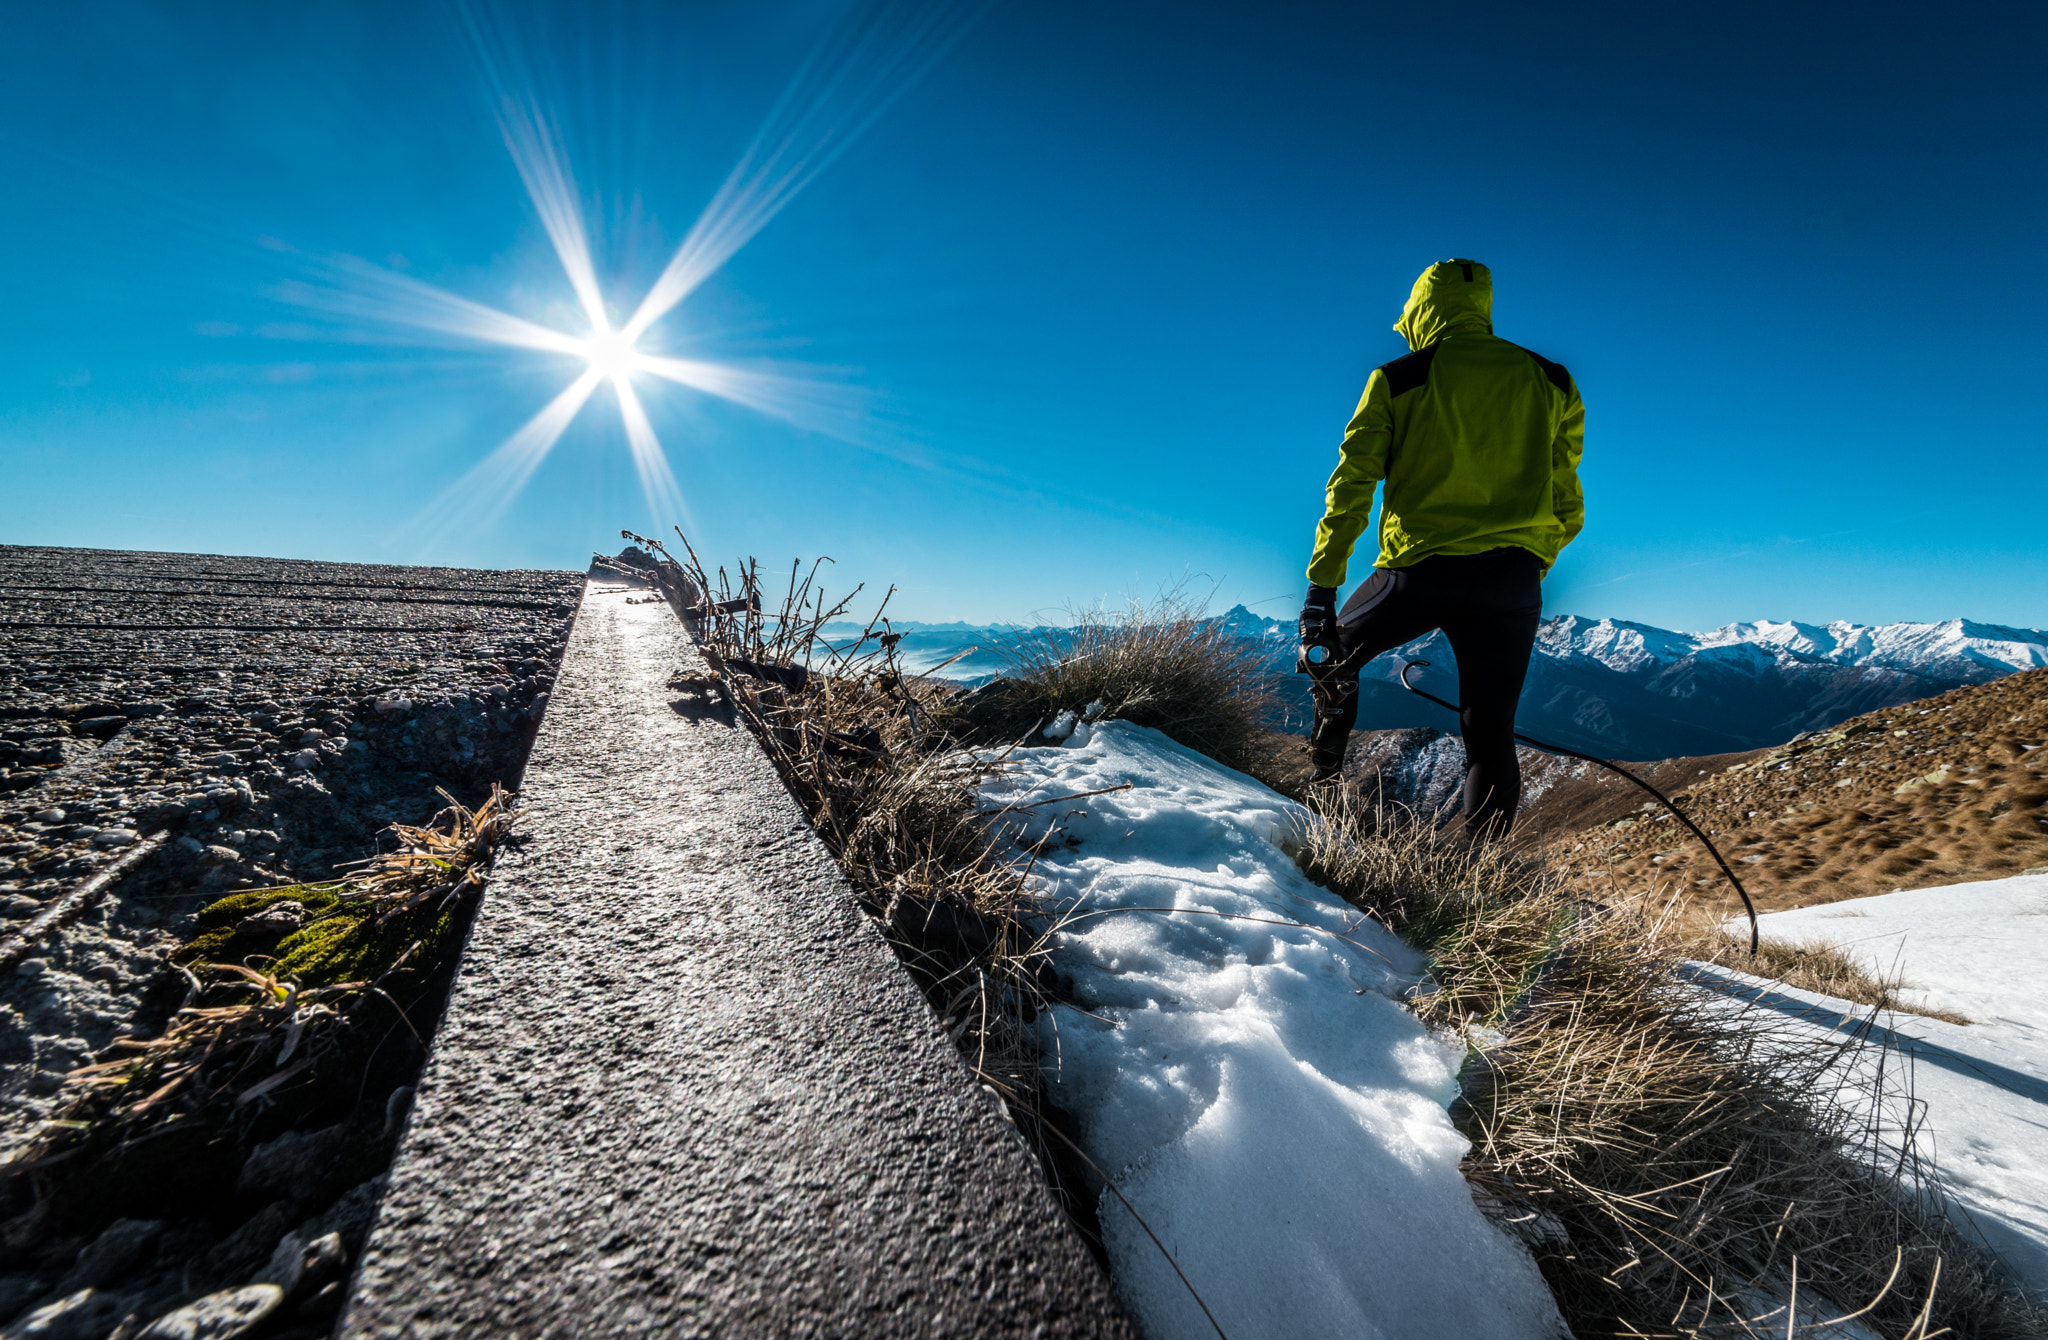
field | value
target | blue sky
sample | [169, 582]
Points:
[1095, 294]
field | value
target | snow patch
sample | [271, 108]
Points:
[1240, 1064]
[1975, 949]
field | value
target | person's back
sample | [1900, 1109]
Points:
[1478, 443]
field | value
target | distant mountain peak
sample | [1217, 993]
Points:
[1620, 688]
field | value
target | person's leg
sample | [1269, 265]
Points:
[1336, 703]
[1492, 640]
[1382, 614]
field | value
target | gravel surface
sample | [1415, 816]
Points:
[269, 717]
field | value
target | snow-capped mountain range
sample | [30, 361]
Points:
[1630, 690]
[1957, 648]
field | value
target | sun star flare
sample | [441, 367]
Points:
[611, 354]
[862, 66]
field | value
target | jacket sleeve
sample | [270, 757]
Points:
[1567, 497]
[1361, 465]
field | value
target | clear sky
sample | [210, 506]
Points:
[1091, 296]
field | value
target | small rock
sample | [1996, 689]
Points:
[240, 1252]
[86, 1315]
[350, 1216]
[101, 727]
[222, 855]
[20, 905]
[291, 1164]
[321, 1307]
[276, 919]
[114, 837]
[32, 967]
[313, 737]
[300, 1268]
[219, 1316]
[53, 815]
[306, 760]
[115, 1251]
[159, 812]
[28, 1230]
[17, 1291]
[392, 707]
[190, 845]
[395, 1109]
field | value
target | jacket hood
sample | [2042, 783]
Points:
[1453, 294]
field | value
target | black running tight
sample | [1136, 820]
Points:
[1488, 606]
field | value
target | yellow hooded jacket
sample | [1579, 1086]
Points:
[1478, 440]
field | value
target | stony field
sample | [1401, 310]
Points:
[266, 719]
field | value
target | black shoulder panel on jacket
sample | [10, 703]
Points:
[1405, 374]
[1559, 378]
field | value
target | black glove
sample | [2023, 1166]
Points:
[1319, 621]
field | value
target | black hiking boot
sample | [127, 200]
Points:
[1325, 769]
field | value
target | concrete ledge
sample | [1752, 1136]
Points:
[683, 1088]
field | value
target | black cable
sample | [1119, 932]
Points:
[1705, 841]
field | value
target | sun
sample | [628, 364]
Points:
[611, 354]
[856, 73]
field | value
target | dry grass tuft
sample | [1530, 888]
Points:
[437, 863]
[1675, 1159]
[275, 1008]
[1163, 664]
[1811, 965]
[243, 1047]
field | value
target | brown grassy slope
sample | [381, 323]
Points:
[1563, 795]
[1931, 792]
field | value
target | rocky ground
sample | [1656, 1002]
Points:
[1423, 770]
[268, 719]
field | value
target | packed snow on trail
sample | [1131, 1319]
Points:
[1241, 1066]
[1977, 950]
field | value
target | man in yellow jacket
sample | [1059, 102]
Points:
[1477, 441]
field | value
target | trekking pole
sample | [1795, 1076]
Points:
[1663, 799]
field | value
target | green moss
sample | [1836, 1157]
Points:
[354, 944]
[231, 909]
[219, 942]
[209, 947]
[346, 942]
